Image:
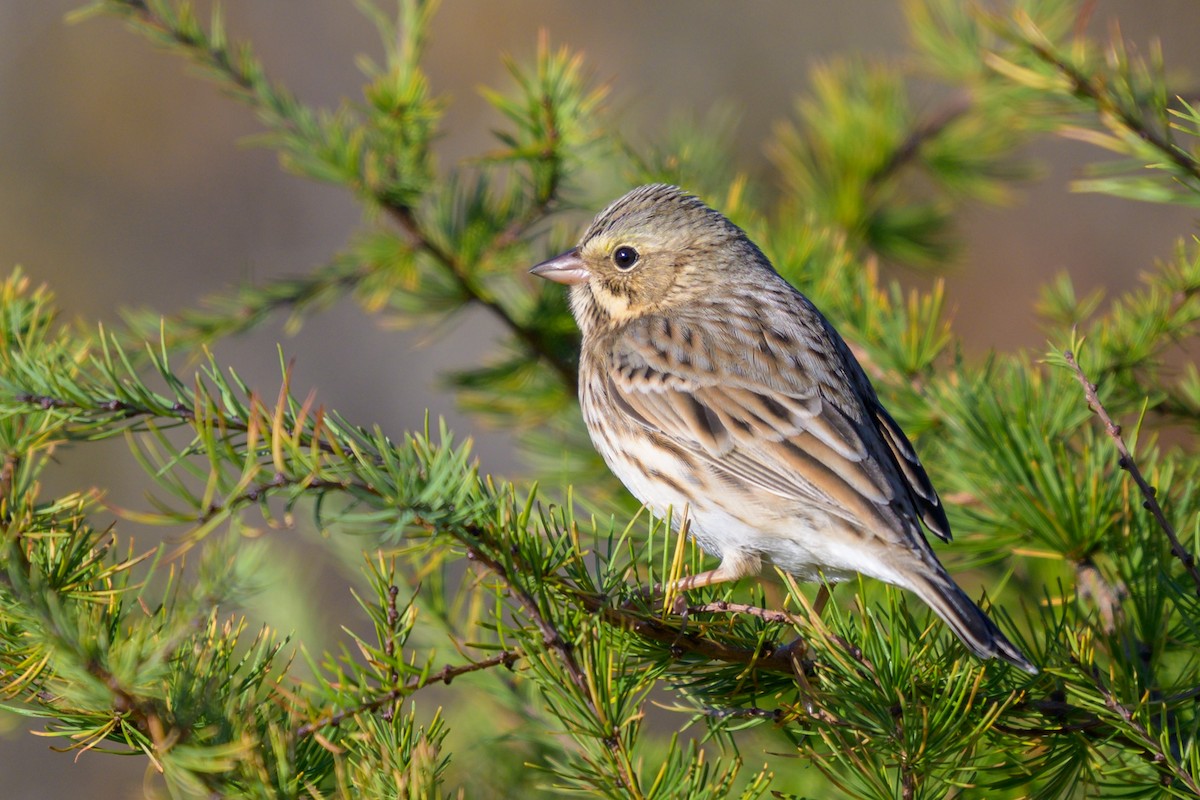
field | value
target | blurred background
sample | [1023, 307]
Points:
[125, 181]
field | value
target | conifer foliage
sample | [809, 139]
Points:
[526, 602]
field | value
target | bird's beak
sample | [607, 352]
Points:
[567, 268]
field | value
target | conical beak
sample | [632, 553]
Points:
[567, 268]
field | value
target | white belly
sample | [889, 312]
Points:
[804, 542]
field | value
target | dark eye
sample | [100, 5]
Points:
[625, 257]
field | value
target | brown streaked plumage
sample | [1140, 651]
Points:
[708, 382]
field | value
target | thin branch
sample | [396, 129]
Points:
[177, 413]
[480, 540]
[554, 640]
[1083, 722]
[652, 628]
[389, 649]
[261, 491]
[550, 635]
[280, 110]
[530, 337]
[1126, 462]
[445, 675]
[243, 308]
[247, 86]
[783, 617]
[1084, 86]
[518, 227]
[549, 194]
[8, 473]
[908, 782]
[1166, 762]
[776, 715]
[777, 660]
[767, 614]
[684, 642]
[919, 136]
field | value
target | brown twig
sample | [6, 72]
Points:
[767, 614]
[550, 635]
[773, 660]
[261, 491]
[8, 472]
[685, 642]
[919, 136]
[776, 715]
[1125, 461]
[554, 640]
[1165, 762]
[1083, 86]
[250, 90]
[389, 649]
[908, 782]
[445, 675]
[466, 282]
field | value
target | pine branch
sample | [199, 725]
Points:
[480, 541]
[119, 412]
[1163, 761]
[877, 698]
[1084, 87]
[1126, 462]
[626, 772]
[241, 75]
[246, 307]
[532, 338]
[302, 134]
[910, 148]
[444, 676]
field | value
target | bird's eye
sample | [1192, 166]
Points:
[625, 257]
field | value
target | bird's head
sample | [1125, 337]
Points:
[655, 248]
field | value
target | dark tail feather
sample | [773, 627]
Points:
[969, 623]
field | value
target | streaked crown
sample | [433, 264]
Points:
[655, 247]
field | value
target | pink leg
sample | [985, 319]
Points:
[731, 568]
[823, 595]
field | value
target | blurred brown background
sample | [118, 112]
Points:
[123, 183]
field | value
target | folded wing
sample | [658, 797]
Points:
[768, 423]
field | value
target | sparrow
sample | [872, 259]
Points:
[712, 387]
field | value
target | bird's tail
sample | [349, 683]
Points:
[967, 620]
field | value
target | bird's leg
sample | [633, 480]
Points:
[724, 573]
[823, 596]
[733, 566]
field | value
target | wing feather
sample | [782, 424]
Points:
[800, 440]
[933, 514]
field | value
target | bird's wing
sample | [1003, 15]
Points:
[757, 415]
[933, 513]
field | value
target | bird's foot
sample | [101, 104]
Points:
[768, 614]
